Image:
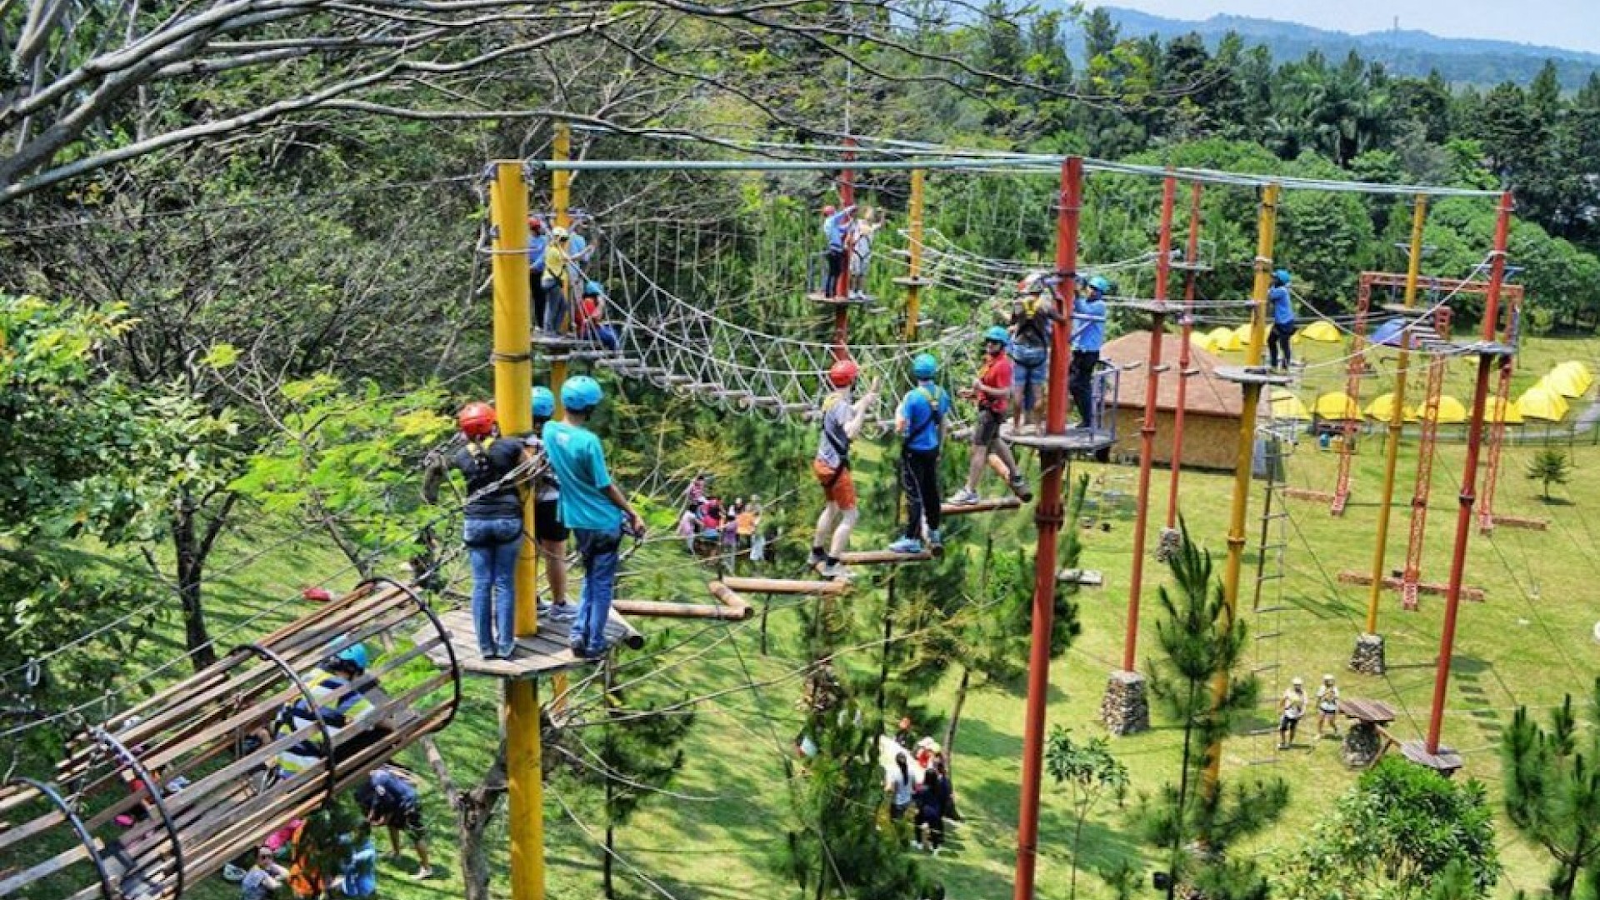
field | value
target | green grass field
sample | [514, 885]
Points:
[1529, 643]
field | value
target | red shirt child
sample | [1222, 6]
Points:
[996, 373]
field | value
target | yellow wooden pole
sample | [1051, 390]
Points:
[1419, 217]
[914, 274]
[560, 199]
[1266, 234]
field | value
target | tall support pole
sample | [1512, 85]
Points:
[1191, 258]
[914, 271]
[513, 395]
[1266, 237]
[1048, 516]
[1411, 575]
[841, 312]
[1397, 418]
[1488, 356]
[560, 200]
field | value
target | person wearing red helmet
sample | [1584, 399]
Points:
[842, 419]
[493, 528]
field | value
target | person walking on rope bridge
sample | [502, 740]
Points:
[1328, 706]
[1281, 305]
[862, 233]
[550, 533]
[992, 390]
[1032, 320]
[493, 527]
[538, 243]
[592, 506]
[1293, 707]
[921, 421]
[390, 800]
[842, 420]
[835, 225]
[1088, 336]
[557, 279]
[590, 315]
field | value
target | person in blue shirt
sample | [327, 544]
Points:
[835, 225]
[592, 506]
[538, 243]
[1281, 306]
[389, 800]
[1088, 336]
[921, 422]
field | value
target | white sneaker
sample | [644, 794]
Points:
[837, 571]
[964, 497]
[916, 845]
[561, 612]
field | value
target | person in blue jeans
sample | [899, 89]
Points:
[592, 506]
[493, 528]
[1282, 308]
[835, 229]
[1032, 322]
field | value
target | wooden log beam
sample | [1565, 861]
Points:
[659, 610]
[783, 586]
[730, 598]
[991, 505]
[882, 558]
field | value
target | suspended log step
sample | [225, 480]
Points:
[1073, 440]
[730, 599]
[860, 300]
[1308, 494]
[783, 586]
[993, 504]
[1522, 522]
[546, 341]
[1082, 577]
[541, 653]
[658, 610]
[908, 281]
[618, 362]
[883, 557]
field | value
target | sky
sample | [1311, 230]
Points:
[1570, 24]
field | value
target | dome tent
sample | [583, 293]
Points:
[1337, 406]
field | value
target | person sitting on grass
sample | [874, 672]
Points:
[264, 879]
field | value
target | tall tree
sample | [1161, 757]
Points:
[1552, 789]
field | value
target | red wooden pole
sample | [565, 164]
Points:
[1191, 256]
[1147, 429]
[1469, 472]
[841, 312]
[1048, 516]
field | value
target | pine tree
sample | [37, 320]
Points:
[1550, 466]
[1552, 785]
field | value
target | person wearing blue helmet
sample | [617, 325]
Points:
[549, 532]
[592, 506]
[338, 688]
[1088, 336]
[590, 317]
[1032, 320]
[1282, 306]
[920, 421]
[992, 390]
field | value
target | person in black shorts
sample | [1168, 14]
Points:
[388, 799]
[550, 532]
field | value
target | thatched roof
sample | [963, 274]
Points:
[1207, 394]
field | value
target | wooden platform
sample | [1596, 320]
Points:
[883, 557]
[839, 301]
[1073, 440]
[1431, 588]
[1252, 375]
[982, 506]
[544, 653]
[1446, 762]
[783, 586]
[1082, 577]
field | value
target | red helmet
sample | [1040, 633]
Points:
[476, 420]
[843, 373]
[535, 224]
[828, 210]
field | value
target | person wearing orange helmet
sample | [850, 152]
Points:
[493, 528]
[842, 419]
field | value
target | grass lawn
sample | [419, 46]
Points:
[1528, 644]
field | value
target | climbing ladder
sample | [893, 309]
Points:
[1355, 373]
[1275, 442]
[1437, 362]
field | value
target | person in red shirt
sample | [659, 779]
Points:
[992, 389]
[589, 318]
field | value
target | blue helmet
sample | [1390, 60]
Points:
[1282, 275]
[593, 289]
[998, 334]
[355, 655]
[544, 402]
[924, 366]
[1100, 284]
[581, 394]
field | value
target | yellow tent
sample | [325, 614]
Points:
[1568, 381]
[1203, 341]
[1382, 409]
[1285, 405]
[1225, 339]
[1321, 331]
[1547, 384]
[1539, 402]
[1451, 412]
[1243, 334]
[1582, 371]
[1512, 412]
[1337, 406]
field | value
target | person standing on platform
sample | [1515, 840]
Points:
[862, 234]
[538, 242]
[1088, 336]
[557, 277]
[1281, 305]
[592, 506]
[1032, 321]
[835, 228]
[842, 420]
[550, 533]
[992, 390]
[921, 422]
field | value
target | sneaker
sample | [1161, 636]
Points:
[232, 873]
[836, 571]
[506, 652]
[816, 558]
[916, 845]
[964, 497]
[489, 654]
[906, 545]
[935, 540]
[597, 652]
[423, 874]
[1019, 486]
[575, 644]
[560, 612]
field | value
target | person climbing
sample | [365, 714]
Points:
[1088, 335]
[1292, 707]
[992, 389]
[551, 534]
[835, 225]
[557, 278]
[1032, 320]
[389, 800]
[1327, 706]
[538, 243]
[841, 422]
[590, 317]
[862, 233]
[493, 527]
[592, 506]
[920, 420]
[1281, 304]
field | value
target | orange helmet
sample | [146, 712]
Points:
[476, 420]
[843, 373]
[828, 210]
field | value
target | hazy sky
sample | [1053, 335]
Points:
[1572, 24]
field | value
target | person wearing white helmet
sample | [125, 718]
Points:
[862, 232]
[557, 278]
[1291, 708]
[1327, 706]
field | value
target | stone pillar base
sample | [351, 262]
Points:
[1171, 540]
[1368, 656]
[1361, 745]
[1124, 709]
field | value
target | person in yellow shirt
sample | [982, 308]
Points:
[557, 275]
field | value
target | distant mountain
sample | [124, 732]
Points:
[1459, 60]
